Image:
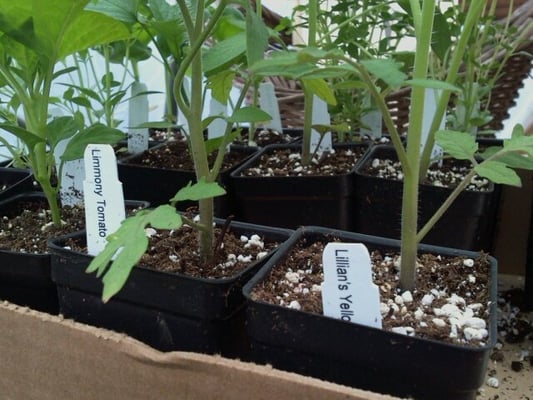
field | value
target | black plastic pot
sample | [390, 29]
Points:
[14, 181]
[294, 201]
[468, 223]
[165, 310]
[361, 356]
[25, 278]
[159, 185]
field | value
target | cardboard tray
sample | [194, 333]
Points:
[46, 357]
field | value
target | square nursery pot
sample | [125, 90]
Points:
[168, 311]
[468, 223]
[361, 356]
[158, 185]
[25, 278]
[293, 201]
[14, 181]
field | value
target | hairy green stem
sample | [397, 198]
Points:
[308, 95]
[423, 27]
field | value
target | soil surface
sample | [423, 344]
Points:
[288, 162]
[177, 252]
[450, 303]
[28, 227]
[450, 174]
[511, 362]
[175, 155]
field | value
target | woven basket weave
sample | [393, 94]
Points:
[503, 95]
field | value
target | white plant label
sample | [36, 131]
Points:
[72, 176]
[137, 115]
[372, 124]
[348, 292]
[320, 117]
[269, 104]
[430, 107]
[217, 127]
[104, 199]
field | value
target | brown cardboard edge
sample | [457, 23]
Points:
[46, 357]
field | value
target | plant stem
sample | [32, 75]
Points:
[193, 112]
[308, 95]
[423, 27]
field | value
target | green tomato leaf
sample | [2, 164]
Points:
[320, 88]
[127, 245]
[249, 114]
[97, 133]
[126, 259]
[223, 53]
[256, 36]
[27, 137]
[221, 84]
[459, 145]
[122, 10]
[518, 131]
[389, 71]
[214, 143]
[164, 217]
[516, 161]
[200, 190]
[498, 172]
[62, 128]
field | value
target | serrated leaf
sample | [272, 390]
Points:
[61, 128]
[518, 131]
[117, 275]
[256, 36]
[198, 191]
[27, 137]
[122, 10]
[389, 71]
[221, 85]
[498, 172]
[520, 144]
[127, 245]
[459, 145]
[320, 88]
[97, 133]
[224, 52]
[249, 114]
[164, 217]
[214, 143]
[516, 161]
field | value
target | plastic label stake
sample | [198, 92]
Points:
[348, 292]
[430, 108]
[269, 104]
[217, 127]
[372, 120]
[137, 115]
[320, 117]
[104, 199]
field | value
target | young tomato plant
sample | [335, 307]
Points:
[206, 66]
